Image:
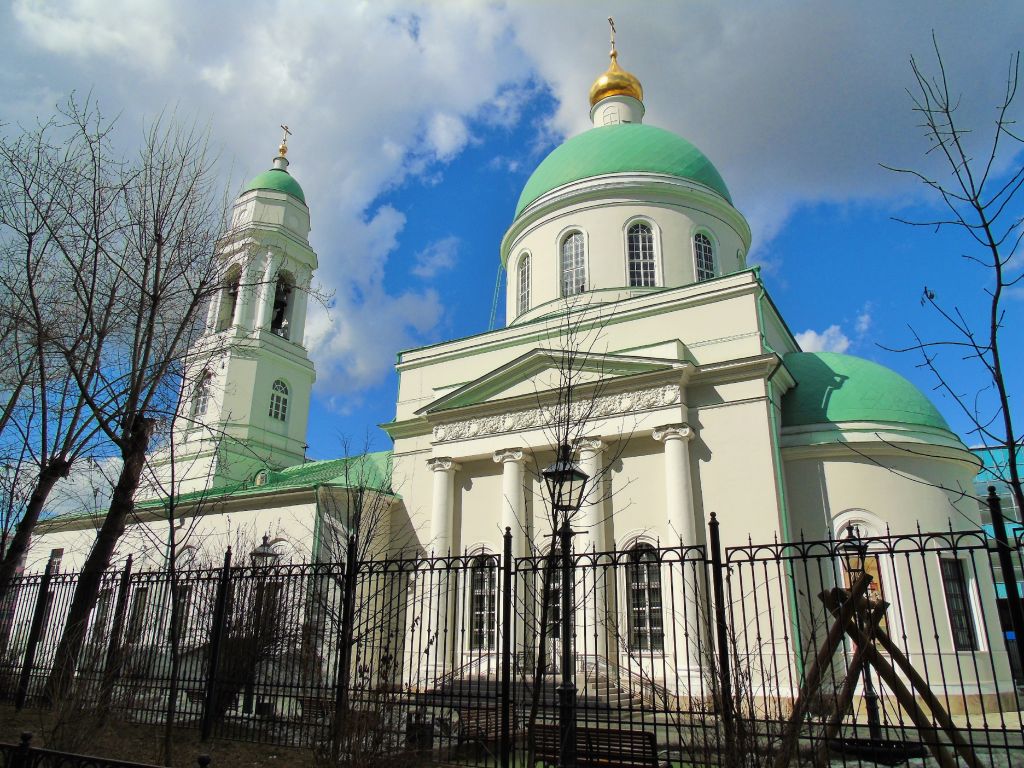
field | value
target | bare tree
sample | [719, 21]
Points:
[980, 198]
[139, 303]
[55, 177]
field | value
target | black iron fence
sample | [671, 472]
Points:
[694, 654]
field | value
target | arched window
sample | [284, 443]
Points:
[574, 270]
[704, 256]
[524, 284]
[279, 401]
[228, 298]
[640, 247]
[483, 604]
[643, 583]
[201, 397]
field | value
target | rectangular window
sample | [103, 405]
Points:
[958, 604]
[137, 616]
[482, 607]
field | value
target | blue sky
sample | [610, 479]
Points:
[417, 124]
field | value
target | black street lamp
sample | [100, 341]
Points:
[855, 553]
[263, 557]
[566, 483]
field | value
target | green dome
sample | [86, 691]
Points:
[621, 149]
[280, 181]
[834, 388]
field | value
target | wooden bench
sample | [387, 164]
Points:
[479, 724]
[600, 747]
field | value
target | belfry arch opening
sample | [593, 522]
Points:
[284, 300]
[228, 298]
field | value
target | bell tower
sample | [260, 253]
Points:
[246, 391]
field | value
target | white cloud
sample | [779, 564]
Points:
[447, 135]
[437, 257]
[219, 77]
[832, 339]
[863, 324]
[380, 92]
[142, 32]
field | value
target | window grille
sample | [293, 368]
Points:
[958, 604]
[704, 255]
[640, 246]
[573, 265]
[643, 582]
[524, 284]
[483, 610]
[279, 401]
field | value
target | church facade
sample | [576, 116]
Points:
[636, 332]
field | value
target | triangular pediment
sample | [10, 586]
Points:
[543, 370]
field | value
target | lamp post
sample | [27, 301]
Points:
[263, 556]
[565, 483]
[854, 552]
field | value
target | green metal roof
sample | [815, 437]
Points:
[368, 470]
[836, 388]
[621, 148]
[279, 180]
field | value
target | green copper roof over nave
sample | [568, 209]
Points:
[623, 148]
[835, 388]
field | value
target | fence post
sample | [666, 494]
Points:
[345, 641]
[216, 636]
[1013, 597]
[722, 635]
[506, 650]
[112, 665]
[35, 630]
[567, 688]
[23, 757]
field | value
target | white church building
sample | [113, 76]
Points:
[627, 271]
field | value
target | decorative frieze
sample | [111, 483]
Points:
[603, 406]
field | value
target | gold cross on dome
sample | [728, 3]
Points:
[611, 23]
[283, 149]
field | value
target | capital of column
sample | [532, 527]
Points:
[591, 445]
[673, 432]
[508, 454]
[443, 464]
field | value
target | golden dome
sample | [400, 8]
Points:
[615, 82]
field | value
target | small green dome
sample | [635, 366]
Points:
[621, 148]
[834, 388]
[280, 181]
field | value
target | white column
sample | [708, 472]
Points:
[267, 288]
[592, 613]
[681, 622]
[444, 469]
[440, 596]
[297, 325]
[678, 484]
[248, 290]
[513, 499]
[592, 521]
[513, 515]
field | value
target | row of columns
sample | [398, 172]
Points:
[590, 527]
[261, 285]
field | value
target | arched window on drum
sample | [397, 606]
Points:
[640, 255]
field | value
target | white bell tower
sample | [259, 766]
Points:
[245, 399]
